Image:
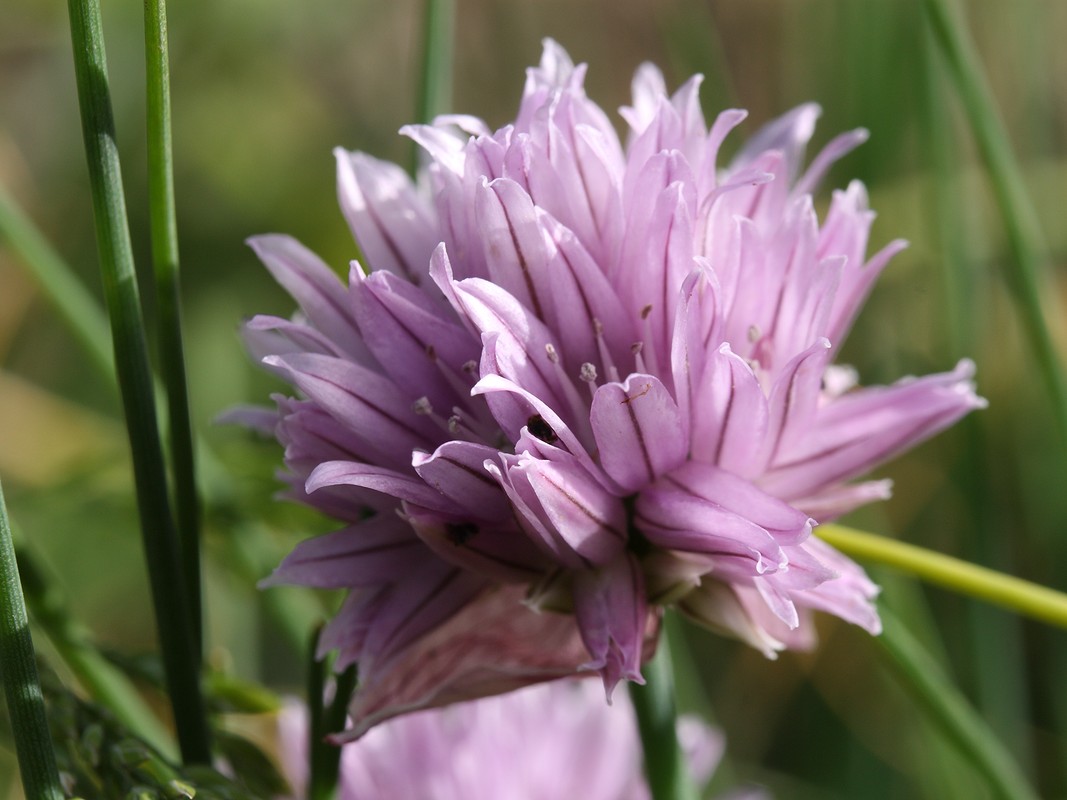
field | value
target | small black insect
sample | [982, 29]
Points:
[459, 533]
[541, 429]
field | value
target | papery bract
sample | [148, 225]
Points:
[584, 379]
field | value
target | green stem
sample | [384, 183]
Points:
[435, 77]
[1020, 220]
[173, 618]
[947, 708]
[75, 305]
[18, 668]
[325, 719]
[665, 768]
[1024, 597]
[164, 226]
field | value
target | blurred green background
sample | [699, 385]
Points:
[263, 89]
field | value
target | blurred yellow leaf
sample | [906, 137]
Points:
[44, 438]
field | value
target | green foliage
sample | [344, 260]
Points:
[99, 759]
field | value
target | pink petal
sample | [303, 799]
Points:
[794, 398]
[367, 476]
[363, 401]
[572, 508]
[840, 146]
[514, 246]
[377, 551]
[378, 632]
[413, 340]
[266, 335]
[731, 493]
[696, 328]
[639, 430]
[315, 287]
[457, 471]
[849, 596]
[673, 517]
[610, 605]
[729, 415]
[394, 226]
[836, 501]
[860, 430]
[718, 607]
[497, 551]
[789, 134]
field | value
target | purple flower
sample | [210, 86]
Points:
[582, 377]
[548, 741]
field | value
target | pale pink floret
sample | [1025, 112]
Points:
[553, 741]
[592, 375]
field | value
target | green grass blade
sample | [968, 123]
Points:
[171, 606]
[164, 226]
[996, 651]
[76, 306]
[1020, 221]
[950, 712]
[105, 683]
[18, 669]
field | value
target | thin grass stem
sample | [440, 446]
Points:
[105, 684]
[162, 554]
[74, 303]
[1024, 277]
[22, 685]
[435, 72]
[164, 228]
[950, 712]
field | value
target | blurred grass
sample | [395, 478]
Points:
[263, 90]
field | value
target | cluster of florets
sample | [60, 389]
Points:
[575, 381]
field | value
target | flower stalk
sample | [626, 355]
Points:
[327, 717]
[164, 227]
[165, 570]
[654, 705]
[435, 78]
[22, 686]
[1016, 594]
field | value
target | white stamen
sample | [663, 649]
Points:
[652, 362]
[754, 333]
[605, 357]
[422, 406]
[588, 376]
[478, 430]
[550, 351]
[639, 362]
[579, 407]
[459, 429]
